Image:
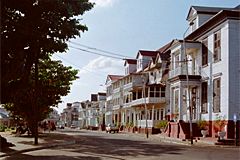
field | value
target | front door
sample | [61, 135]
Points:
[194, 102]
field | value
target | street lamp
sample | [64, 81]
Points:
[188, 87]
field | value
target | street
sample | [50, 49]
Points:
[95, 145]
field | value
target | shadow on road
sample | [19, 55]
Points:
[95, 146]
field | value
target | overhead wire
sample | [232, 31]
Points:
[101, 50]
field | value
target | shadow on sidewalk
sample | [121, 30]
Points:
[60, 157]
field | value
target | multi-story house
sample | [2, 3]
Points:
[82, 114]
[204, 74]
[111, 97]
[197, 76]
[143, 84]
[92, 113]
[70, 114]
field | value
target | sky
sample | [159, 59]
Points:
[123, 27]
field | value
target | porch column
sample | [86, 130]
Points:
[134, 118]
[125, 116]
[153, 116]
[171, 101]
[180, 102]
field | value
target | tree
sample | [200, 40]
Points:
[31, 29]
[54, 82]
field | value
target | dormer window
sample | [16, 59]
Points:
[193, 24]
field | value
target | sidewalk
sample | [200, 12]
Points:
[25, 143]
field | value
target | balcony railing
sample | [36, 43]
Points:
[182, 71]
[150, 123]
[149, 100]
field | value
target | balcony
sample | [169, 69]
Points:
[149, 100]
[183, 71]
[116, 90]
[136, 83]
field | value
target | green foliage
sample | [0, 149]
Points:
[2, 128]
[129, 124]
[54, 82]
[30, 30]
[202, 124]
[161, 124]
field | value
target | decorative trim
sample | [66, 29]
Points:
[217, 75]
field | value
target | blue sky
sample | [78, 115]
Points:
[124, 27]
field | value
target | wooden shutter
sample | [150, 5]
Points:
[216, 95]
[204, 97]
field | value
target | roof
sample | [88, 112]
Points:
[206, 10]
[147, 53]
[215, 20]
[130, 61]
[164, 52]
[115, 77]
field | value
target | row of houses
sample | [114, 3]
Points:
[86, 114]
[192, 79]
[185, 81]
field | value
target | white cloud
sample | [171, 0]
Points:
[103, 3]
[103, 64]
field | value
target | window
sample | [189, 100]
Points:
[217, 46]
[177, 60]
[205, 52]
[158, 115]
[134, 95]
[216, 95]
[204, 97]
[162, 114]
[194, 25]
[157, 94]
[151, 91]
[163, 91]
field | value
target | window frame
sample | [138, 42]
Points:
[205, 52]
[217, 46]
[217, 95]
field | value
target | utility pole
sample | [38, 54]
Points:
[145, 105]
[188, 87]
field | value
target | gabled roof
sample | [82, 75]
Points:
[130, 61]
[205, 10]
[165, 47]
[147, 53]
[220, 17]
[113, 78]
[163, 51]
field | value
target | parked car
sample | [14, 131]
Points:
[73, 126]
[112, 128]
[61, 127]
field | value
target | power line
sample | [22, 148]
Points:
[101, 50]
[100, 54]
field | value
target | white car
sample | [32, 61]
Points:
[112, 128]
[73, 126]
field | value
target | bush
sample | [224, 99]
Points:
[202, 124]
[161, 124]
[2, 128]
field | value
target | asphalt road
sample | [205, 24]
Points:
[92, 145]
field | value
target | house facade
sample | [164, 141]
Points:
[197, 76]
